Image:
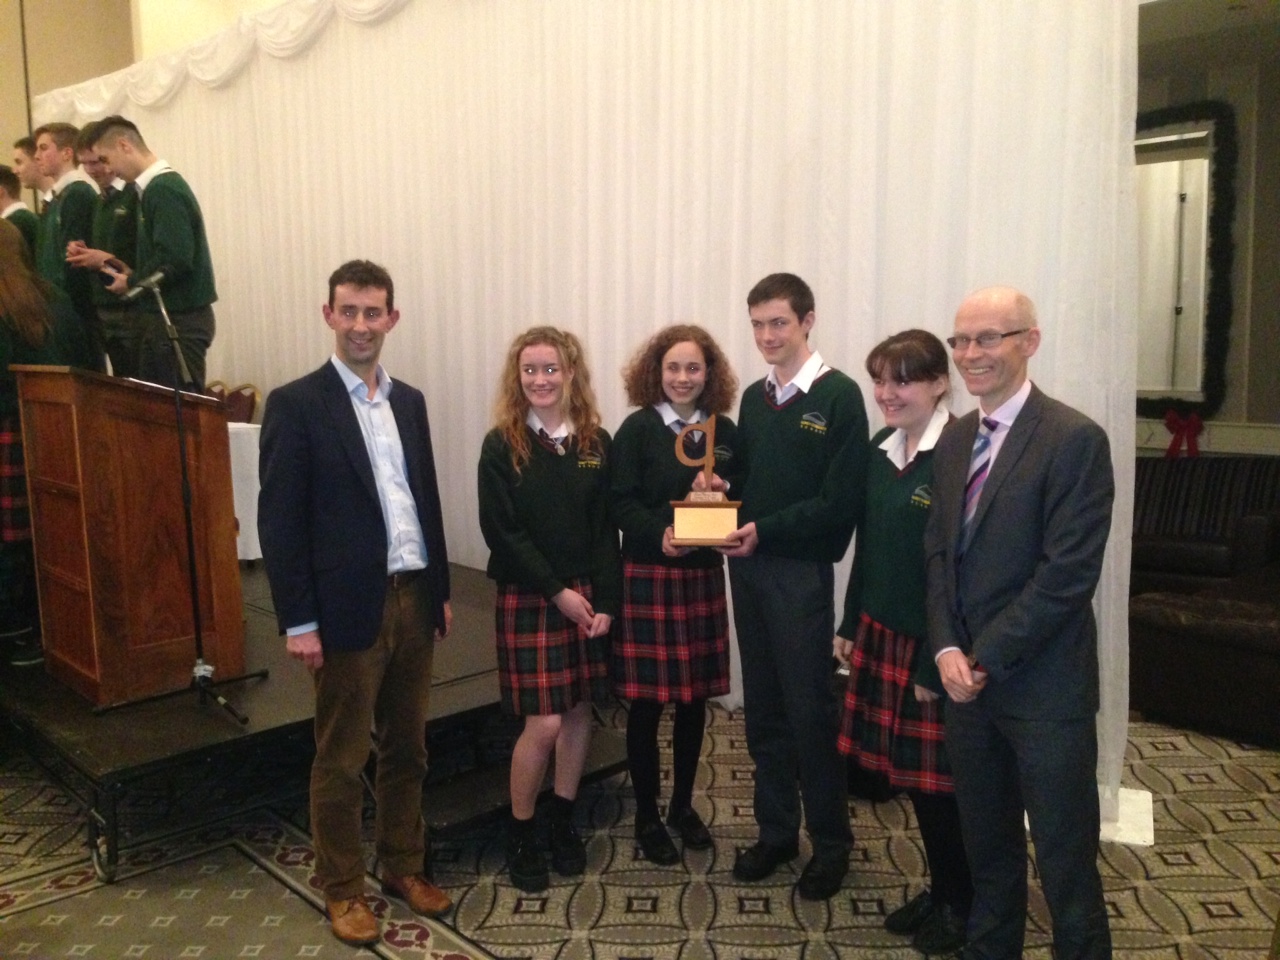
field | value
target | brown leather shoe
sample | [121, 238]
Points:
[423, 897]
[352, 921]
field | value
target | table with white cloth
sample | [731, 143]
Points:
[244, 486]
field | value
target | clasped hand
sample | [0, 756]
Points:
[578, 609]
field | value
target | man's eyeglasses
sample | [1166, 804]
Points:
[985, 340]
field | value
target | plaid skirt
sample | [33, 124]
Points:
[672, 645]
[15, 518]
[883, 728]
[546, 663]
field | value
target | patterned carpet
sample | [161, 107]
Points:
[1208, 890]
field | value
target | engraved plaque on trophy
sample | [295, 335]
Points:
[704, 518]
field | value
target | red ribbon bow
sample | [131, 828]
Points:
[1184, 430]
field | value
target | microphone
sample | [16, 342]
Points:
[150, 283]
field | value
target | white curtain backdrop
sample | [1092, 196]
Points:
[615, 167]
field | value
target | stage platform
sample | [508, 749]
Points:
[99, 755]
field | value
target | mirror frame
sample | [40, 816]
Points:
[1220, 254]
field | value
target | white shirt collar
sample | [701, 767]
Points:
[119, 183]
[669, 415]
[351, 380]
[149, 174]
[70, 177]
[1008, 411]
[559, 433]
[12, 208]
[803, 380]
[895, 444]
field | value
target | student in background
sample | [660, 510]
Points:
[37, 325]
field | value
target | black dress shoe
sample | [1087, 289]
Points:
[655, 843]
[942, 932]
[911, 916]
[693, 832]
[822, 876]
[759, 861]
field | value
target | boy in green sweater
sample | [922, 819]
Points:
[802, 441]
[172, 247]
[15, 211]
[114, 242]
[68, 218]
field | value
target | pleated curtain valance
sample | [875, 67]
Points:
[283, 31]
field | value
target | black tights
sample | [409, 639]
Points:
[939, 820]
[642, 753]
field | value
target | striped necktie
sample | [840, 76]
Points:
[771, 391]
[550, 442]
[695, 441]
[979, 465]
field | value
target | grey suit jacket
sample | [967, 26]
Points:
[1021, 600]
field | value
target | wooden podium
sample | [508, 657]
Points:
[105, 488]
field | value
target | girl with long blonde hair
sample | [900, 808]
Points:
[543, 491]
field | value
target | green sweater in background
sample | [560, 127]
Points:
[28, 225]
[645, 476]
[115, 230]
[69, 216]
[805, 467]
[888, 580]
[171, 239]
[550, 522]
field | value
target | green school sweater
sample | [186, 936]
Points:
[805, 468]
[645, 476]
[550, 522]
[115, 230]
[171, 239]
[888, 579]
[68, 217]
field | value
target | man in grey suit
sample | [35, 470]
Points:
[1022, 508]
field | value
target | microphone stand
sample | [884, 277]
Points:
[201, 673]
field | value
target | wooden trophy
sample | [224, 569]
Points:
[704, 518]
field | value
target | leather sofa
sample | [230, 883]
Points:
[1204, 607]
[1210, 661]
[1198, 522]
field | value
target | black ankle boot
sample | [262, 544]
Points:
[568, 855]
[525, 862]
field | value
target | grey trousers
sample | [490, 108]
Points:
[785, 617]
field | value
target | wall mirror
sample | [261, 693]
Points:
[1186, 157]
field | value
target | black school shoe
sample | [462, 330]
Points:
[912, 915]
[525, 863]
[655, 843]
[823, 876]
[759, 861]
[943, 932]
[693, 832]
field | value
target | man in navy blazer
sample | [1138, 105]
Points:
[350, 523]
[1022, 500]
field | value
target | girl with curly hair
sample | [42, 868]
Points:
[672, 642]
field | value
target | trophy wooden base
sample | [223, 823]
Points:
[704, 523]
